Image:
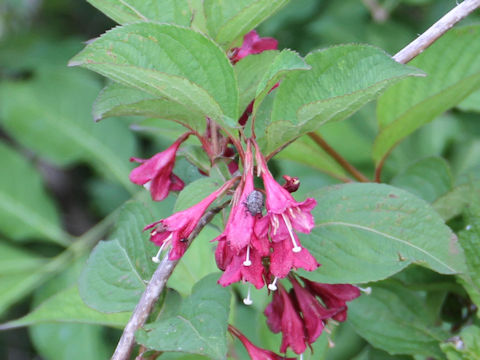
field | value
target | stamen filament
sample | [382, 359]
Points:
[147, 185]
[296, 248]
[367, 290]
[247, 261]
[275, 224]
[273, 285]
[156, 258]
[248, 300]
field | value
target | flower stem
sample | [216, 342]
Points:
[337, 157]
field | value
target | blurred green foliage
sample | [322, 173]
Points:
[63, 175]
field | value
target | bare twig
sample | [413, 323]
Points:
[338, 158]
[436, 30]
[152, 292]
[417, 46]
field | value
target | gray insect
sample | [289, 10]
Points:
[254, 203]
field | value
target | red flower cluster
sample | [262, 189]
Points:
[250, 239]
[301, 317]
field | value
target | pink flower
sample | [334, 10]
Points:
[239, 251]
[156, 173]
[236, 267]
[313, 313]
[255, 352]
[284, 258]
[282, 316]
[284, 216]
[334, 296]
[253, 44]
[176, 229]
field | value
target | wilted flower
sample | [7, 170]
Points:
[156, 173]
[176, 229]
[253, 44]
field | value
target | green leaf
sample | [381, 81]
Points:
[15, 260]
[26, 211]
[428, 178]
[196, 191]
[368, 232]
[199, 327]
[370, 353]
[250, 71]
[342, 80]
[287, 62]
[470, 242]
[414, 102]
[454, 202]
[131, 11]
[396, 320]
[67, 307]
[169, 62]
[471, 103]
[51, 116]
[318, 158]
[466, 346]
[70, 341]
[228, 21]
[118, 270]
[14, 286]
[120, 100]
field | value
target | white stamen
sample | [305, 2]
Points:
[290, 210]
[156, 258]
[296, 248]
[147, 185]
[273, 285]
[367, 290]
[247, 261]
[331, 344]
[301, 356]
[248, 300]
[275, 224]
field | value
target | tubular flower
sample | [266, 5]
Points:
[176, 229]
[313, 313]
[239, 252]
[255, 352]
[284, 216]
[253, 44]
[156, 173]
[334, 296]
[300, 316]
[283, 317]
